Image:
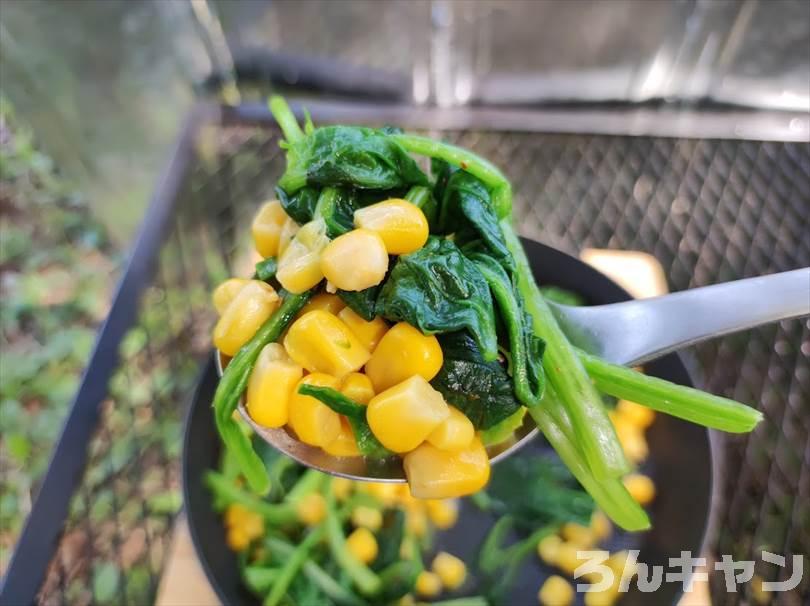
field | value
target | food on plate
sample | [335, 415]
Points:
[395, 314]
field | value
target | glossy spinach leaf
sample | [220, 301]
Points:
[352, 156]
[362, 302]
[562, 296]
[266, 269]
[336, 205]
[439, 290]
[466, 209]
[538, 491]
[300, 205]
[481, 390]
[389, 539]
[525, 349]
[422, 197]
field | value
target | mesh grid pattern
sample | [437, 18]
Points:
[709, 211]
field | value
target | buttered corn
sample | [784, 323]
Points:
[403, 352]
[299, 266]
[345, 444]
[428, 584]
[314, 422]
[362, 545]
[401, 225]
[355, 261]
[556, 591]
[358, 387]
[321, 342]
[226, 292]
[266, 228]
[451, 570]
[325, 302]
[248, 310]
[270, 385]
[311, 509]
[402, 416]
[439, 474]
[367, 517]
[368, 333]
[456, 432]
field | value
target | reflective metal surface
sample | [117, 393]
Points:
[638, 331]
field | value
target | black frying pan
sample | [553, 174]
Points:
[679, 463]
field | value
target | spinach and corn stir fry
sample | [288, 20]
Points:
[395, 314]
[314, 539]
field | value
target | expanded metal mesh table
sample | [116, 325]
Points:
[710, 210]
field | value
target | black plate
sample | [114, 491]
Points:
[679, 462]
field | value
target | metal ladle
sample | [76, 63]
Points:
[628, 333]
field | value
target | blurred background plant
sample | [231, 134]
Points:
[56, 271]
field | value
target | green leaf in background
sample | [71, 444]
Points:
[168, 502]
[105, 582]
[19, 447]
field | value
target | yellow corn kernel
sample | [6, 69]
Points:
[406, 600]
[320, 342]
[362, 545]
[311, 508]
[402, 416]
[385, 492]
[607, 597]
[226, 292]
[442, 512]
[266, 228]
[601, 526]
[367, 517]
[299, 266]
[237, 539]
[323, 301]
[253, 525]
[635, 414]
[567, 559]
[403, 352]
[234, 514]
[759, 594]
[416, 522]
[288, 231]
[548, 548]
[314, 422]
[439, 474]
[451, 570]
[345, 444]
[454, 433]
[355, 261]
[631, 438]
[402, 225]
[428, 584]
[368, 333]
[270, 386]
[358, 387]
[245, 314]
[578, 534]
[640, 487]
[342, 488]
[556, 591]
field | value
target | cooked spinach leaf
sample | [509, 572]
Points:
[421, 196]
[525, 349]
[300, 205]
[561, 295]
[481, 390]
[364, 158]
[367, 443]
[266, 270]
[537, 491]
[439, 290]
[362, 302]
[336, 205]
[466, 210]
[389, 539]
